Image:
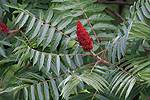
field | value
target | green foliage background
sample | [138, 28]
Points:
[44, 61]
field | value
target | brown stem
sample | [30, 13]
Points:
[98, 41]
[100, 60]
[115, 14]
[114, 2]
[13, 32]
[94, 95]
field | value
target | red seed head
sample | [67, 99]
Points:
[3, 27]
[83, 37]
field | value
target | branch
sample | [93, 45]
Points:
[13, 32]
[115, 14]
[94, 95]
[98, 41]
[114, 2]
[100, 60]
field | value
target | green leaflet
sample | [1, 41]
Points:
[39, 90]
[2, 52]
[68, 60]
[49, 62]
[37, 29]
[64, 23]
[32, 92]
[42, 58]
[55, 90]
[24, 20]
[19, 18]
[57, 41]
[56, 20]
[58, 64]
[49, 16]
[51, 32]
[10, 89]
[36, 57]
[36, 76]
[132, 83]
[26, 93]
[46, 91]
[31, 24]
[43, 33]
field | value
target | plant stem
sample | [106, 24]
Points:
[93, 96]
[115, 14]
[114, 2]
[98, 41]
[26, 38]
[100, 60]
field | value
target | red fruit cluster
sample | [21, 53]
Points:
[83, 37]
[3, 27]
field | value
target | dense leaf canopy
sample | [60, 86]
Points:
[46, 55]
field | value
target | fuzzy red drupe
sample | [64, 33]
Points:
[83, 37]
[3, 27]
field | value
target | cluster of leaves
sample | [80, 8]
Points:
[43, 61]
